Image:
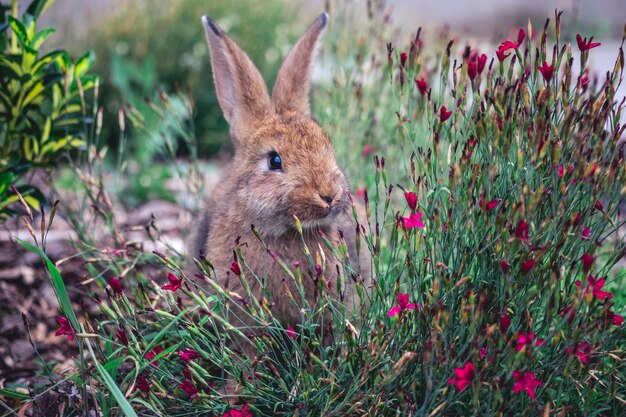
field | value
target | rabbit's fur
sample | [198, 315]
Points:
[309, 185]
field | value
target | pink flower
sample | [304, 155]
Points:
[505, 322]
[367, 150]
[65, 328]
[526, 339]
[569, 313]
[175, 283]
[476, 64]
[154, 352]
[403, 304]
[234, 267]
[116, 286]
[595, 286]
[504, 264]
[526, 382]
[291, 332]
[121, 337]
[422, 85]
[501, 54]
[561, 170]
[189, 388]
[403, 59]
[444, 114]
[411, 199]
[547, 71]
[413, 221]
[585, 45]
[506, 45]
[527, 266]
[581, 350]
[587, 260]
[236, 413]
[598, 206]
[188, 354]
[586, 233]
[521, 230]
[142, 384]
[614, 318]
[463, 376]
[492, 204]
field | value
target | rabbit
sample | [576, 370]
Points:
[283, 166]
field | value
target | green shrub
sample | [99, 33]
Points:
[42, 102]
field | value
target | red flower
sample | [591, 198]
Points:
[492, 204]
[411, 199]
[521, 230]
[598, 206]
[234, 267]
[121, 336]
[422, 85]
[463, 376]
[175, 283]
[189, 388]
[587, 261]
[585, 45]
[614, 318]
[403, 59]
[236, 413]
[505, 322]
[116, 286]
[526, 382]
[65, 328]
[476, 64]
[547, 71]
[586, 233]
[504, 264]
[291, 332]
[527, 266]
[581, 350]
[561, 170]
[188, 354]
[403, 304]
[142, 384]
[154, 352]
[595, 286]
[506, 45]
[367, 150]
[444, 114]
[569, 313]
[526, 339]
[413, 221]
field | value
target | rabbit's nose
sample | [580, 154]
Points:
[327, 199]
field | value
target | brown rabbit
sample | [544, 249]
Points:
[284, 166]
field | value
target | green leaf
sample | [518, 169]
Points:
[40, 37]
[7, 393]
[6, 179]
[125, 406]
[57, 284]
[84, 63]
[19, 29]
[38, 7]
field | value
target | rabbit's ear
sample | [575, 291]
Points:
[240, 89]
[291, 91]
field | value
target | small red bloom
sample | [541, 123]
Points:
[291, 332]
[598, 206]
[587, 260]
[189, 388]
[188, 354]
[65, 328]
[413, 221]
[403, 304]
[444, 114]
[422, 85]
[154, 352]
[463, 376]
[492, 204]
[586, 233]
[506, 45]
[521, 230]
[142, 384]
[403, 59]
[594, 285]
[504, 264]
[411, 199]
[367, 150]
[505, 322]
[236, 413]
[561, 170]
[527, 266]
[526, 339]
[175, 283]
[614, 318]
[121, 336]
[585, 45]
[116, 286]
[569, 313]
[547, 71]
[581, 350]
[234, 267]
[476, 64]
[526, 382]
[501, 53]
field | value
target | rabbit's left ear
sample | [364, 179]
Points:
[291, 91]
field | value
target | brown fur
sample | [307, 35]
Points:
[252, 194]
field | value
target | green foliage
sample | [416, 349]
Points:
[42, 102]
[144, 49]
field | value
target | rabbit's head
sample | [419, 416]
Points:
[284, 163]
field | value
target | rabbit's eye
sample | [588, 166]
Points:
[275, 161]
